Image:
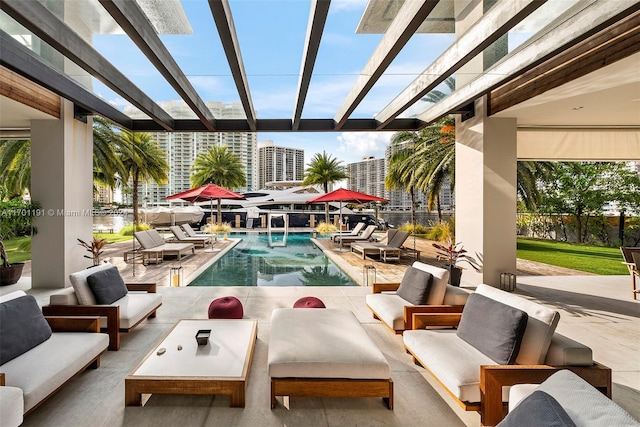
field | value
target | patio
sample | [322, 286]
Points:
[595, 310]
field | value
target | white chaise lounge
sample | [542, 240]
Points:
[322, 352]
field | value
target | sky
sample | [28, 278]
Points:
[271, 35]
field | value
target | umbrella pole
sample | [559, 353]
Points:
[340, 248]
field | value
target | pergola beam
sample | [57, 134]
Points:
[495, 23]
[406, 23]
[26, 63]
[315, 28]
[39, 20]
[584, 24]
[221, 12]
[135, 23]
[282, 125]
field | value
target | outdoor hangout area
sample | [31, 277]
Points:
[319, 213]
[332, 355]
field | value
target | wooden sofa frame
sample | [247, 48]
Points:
[111, 312]
[410, 310]
[68, 324]
[332, 387]
[492, 378]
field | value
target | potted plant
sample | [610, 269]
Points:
[95, 248]
[451, 254]
[9, 273]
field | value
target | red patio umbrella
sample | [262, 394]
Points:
[347, 196]
[209, 192]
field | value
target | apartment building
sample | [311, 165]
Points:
[182, 148]
[278, 164]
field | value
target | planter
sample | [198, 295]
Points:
[10, 275]
[455, 275]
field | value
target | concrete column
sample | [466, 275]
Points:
[62, 182]
[486, 193]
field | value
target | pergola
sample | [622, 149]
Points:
[569, 91]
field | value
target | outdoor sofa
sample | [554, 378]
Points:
[39, 354]
[500, 340]
[563, 398]
[133, 304]
[434, 294]
[154, 247]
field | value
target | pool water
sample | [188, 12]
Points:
[262, 259]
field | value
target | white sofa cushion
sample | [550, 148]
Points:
[66, 296]
[12, 295]
[540, 326]
[438, 284]
[455, 363]
[41, 370]
[80, 285]
[455, 296]
[322, 343]
[585, 405]
[11, 406]
[389, 307]
[564, 351]
[134, 307]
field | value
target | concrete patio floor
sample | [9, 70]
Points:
[595, 310]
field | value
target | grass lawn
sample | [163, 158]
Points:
[13, 252]
[16, 255]
[592, 259]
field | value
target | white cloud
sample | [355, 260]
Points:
[339, 5]
[355, 145]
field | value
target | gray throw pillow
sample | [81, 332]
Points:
[415, 286]
[107, 286]
[22, 327]
[539, 409]
[494, 328]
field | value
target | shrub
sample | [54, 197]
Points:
[225, 227]
[440, 231]
[325, 228]
[418, 229]
[127, 230]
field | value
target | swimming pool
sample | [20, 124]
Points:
[262, 259]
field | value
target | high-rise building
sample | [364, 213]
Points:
[367, 176]
[278, 164]
[182, 148]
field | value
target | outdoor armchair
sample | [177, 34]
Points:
[500, 340]
[396, 311]
[100, 291]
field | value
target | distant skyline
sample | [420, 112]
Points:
[271, 35]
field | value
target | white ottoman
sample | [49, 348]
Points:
[325, 353]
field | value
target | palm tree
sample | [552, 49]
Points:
[324, 170]
[142, 160]
[106, 163]
[15, 160]
[436, 95]
[401, 173]
[15, 166]
[218, 166]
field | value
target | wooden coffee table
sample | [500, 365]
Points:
[220, 367]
